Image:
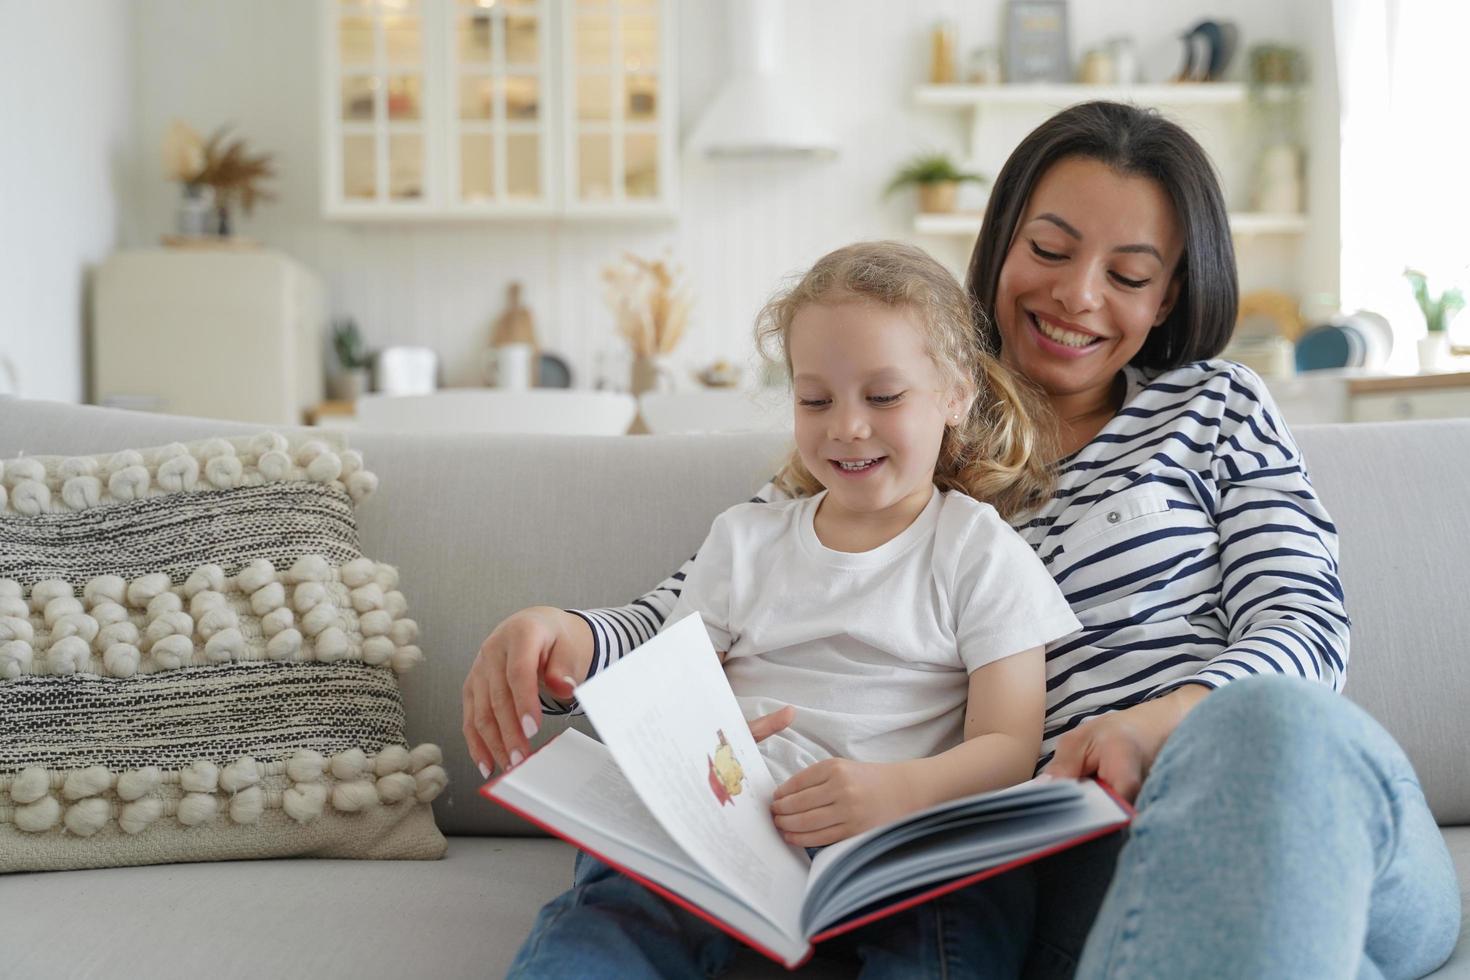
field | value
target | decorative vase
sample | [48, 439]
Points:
[348, 385]
[195, 216]
[1434, 351]
[650, 373]
[938, 198]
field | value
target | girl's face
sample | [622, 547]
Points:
[1089, 273]
[871, 408]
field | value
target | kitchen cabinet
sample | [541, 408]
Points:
[483, 109]
[1424, 396]
[1354, 395]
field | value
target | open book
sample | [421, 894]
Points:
[677, 796]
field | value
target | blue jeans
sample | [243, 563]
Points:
[608, 925]
[1281, 833]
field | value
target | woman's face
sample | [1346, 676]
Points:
[1089, 273]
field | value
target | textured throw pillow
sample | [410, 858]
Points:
[198, 663]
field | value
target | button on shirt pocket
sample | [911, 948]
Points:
[1112, 516]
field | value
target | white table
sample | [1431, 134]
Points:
[716, 410]
[539, 411]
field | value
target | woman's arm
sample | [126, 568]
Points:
[837, 798]
[529, 664]
[1281, 595]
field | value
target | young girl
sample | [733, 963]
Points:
[901, 617]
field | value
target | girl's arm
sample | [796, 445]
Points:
[528, 665]
[837, 798]
[1003, 723]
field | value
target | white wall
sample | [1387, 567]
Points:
[65, 117]
[741, 227]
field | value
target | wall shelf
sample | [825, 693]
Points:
[1242, 223]
[1183, 94]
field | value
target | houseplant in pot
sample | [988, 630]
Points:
[938, 179]
[350, 381]
[1434, 348]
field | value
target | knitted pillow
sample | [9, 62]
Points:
[198, 663]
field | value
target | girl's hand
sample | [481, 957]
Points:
[837, 798]
[1119, 748]
[536, 647]
[765, 726]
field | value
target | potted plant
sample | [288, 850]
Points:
[350, 380]
[1434, 349]
[938, 179]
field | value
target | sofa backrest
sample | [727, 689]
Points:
[480, 526]
[1399, 493]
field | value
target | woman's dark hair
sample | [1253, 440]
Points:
[1135, 142]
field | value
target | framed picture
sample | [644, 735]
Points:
[1037, 47]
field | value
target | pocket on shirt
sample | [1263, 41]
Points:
[1115, 516]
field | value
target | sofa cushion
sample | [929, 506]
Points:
[197, 662]
[462, 917]
[465, 916]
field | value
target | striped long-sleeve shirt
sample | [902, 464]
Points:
[1187, 538]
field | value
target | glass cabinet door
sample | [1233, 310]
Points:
[381, 67]
[499, 120]
[466, 108]
[619, 114]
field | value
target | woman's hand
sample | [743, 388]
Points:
[837, 798]
[536, 647]
[1119, 748]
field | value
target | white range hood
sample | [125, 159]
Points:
[759, 113]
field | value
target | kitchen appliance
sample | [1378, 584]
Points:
[405, 371]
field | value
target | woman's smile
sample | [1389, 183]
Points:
[1061, 338]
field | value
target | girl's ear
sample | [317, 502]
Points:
[957, 409]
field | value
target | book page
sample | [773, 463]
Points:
[573, 788]
[669, 718]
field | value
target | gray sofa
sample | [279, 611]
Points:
[480, 526]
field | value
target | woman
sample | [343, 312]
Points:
[1280, 831]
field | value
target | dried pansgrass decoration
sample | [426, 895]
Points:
[651, 303]
[232, 172]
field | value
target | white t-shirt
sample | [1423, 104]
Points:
[874, 649]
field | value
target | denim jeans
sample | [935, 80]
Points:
[1281, 833]
[608, 925]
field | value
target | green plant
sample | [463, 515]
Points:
[930, 168]
[1438, 311]
[347, 342]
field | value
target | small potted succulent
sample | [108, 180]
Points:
[938, 179]
[350, 380]
[1434, 349]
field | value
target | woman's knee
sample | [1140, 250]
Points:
[1289, 722]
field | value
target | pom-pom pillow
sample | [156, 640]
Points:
[197, 662]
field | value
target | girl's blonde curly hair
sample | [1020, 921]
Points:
[1002, 452]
